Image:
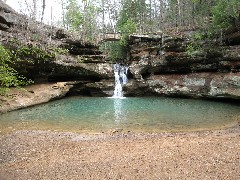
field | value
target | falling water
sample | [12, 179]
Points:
[120, 73]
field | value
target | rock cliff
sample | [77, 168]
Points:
[159, 65]
[80, 62]
[169, 65]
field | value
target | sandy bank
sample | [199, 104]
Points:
[58, 155]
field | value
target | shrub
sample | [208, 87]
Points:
[9, 77]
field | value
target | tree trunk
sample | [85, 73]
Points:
[151, 21]
[43, 9]
[63, 13]
[179, 12]
[103, 17]
[34, 13]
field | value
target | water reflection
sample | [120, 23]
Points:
[119, 114]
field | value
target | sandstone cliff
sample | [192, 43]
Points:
[80, 70]
[82, 63]
[163, 65]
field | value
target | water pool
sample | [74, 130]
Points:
[80, 114]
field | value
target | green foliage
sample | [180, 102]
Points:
[90, 22]
[225, 12]
[194, 46]
[35, 53]
[82, 19]
[14, 62]
[9, 76]
[198, 36]
[126, 25]
[134, 11]
[32, 52]
[116, 51]
[5, 55]
[129, 27]
[36, 37]
[81, 59]
[57, 51]
[74, 17]
[130, 16]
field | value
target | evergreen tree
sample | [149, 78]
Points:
[135, 12]
[74, 17]
[226, 13]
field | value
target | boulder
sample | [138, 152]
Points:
[8, 16]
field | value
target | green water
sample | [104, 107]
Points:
[77, 114]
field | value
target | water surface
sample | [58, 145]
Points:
[78, 114]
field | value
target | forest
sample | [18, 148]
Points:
[93, 17]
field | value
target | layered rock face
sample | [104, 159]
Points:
[159, 65]
[83, 63]
[163, 65]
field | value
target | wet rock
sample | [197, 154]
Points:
[103, 88]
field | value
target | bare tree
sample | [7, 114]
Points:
[34, 13]
[63, 13]
[43, 9]
[103, 16]
[179, 12]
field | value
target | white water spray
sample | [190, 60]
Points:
[120, 73]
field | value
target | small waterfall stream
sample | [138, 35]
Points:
[120, 73]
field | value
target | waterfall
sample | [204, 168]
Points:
[120, 74]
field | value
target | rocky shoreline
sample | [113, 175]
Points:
[32, 95]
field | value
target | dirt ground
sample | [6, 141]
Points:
[61, 155]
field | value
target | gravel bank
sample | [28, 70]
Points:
[61, 155]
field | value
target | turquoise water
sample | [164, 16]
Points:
[78, 114]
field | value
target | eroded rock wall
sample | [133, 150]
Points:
[83, 63]
[162, 65]
[158, 64]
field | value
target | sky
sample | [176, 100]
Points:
[25, 6]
